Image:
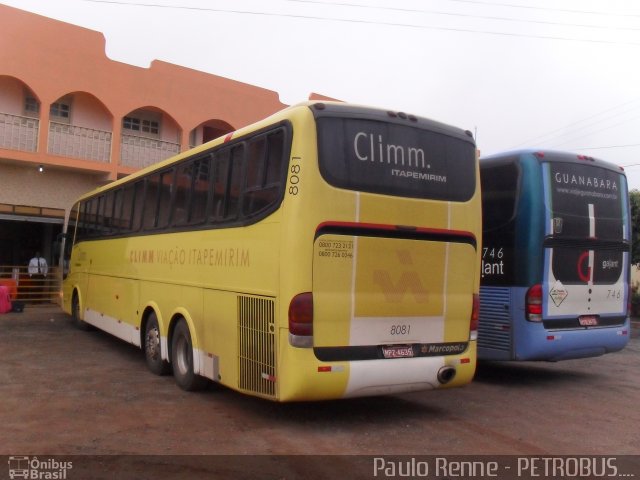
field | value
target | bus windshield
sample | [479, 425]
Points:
[395, 159]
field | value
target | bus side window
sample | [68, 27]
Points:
[164, 199]
[275, 158]
[91, 216]
[152, 191]
[253, 200]
[107, 218]
[499, 195]
[127, 208]
[99, 217]
[500, 186]
[227, 183]
[116, 223]
[81, 229]
[184, 181]
[264, 173]
[200, 190]
[73, 227]
[220, 180]
[234, 187]
[138, 205]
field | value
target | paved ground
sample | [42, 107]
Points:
[68, 392]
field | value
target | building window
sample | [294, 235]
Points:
[60, 112]
[142, 125]
[149, 126]
[31, 107]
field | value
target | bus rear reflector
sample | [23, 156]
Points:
[475, 316]
[534, 303]
[301, 319]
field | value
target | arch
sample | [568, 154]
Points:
[149, 135]
[20, 116]
[80, 126]
[209, 130]
[13, 95]
[86, 110]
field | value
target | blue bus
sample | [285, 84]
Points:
[555, 258]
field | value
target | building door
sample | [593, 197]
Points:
[21, 239]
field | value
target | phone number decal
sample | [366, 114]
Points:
[335, 248]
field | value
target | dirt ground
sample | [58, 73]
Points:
[69, 392]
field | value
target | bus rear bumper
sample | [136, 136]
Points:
[556, 345]
[304, 377]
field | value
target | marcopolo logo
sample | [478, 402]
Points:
[36, 469]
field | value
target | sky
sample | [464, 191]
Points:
[544, 74]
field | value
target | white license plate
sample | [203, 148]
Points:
[397, 351]
[588, 320]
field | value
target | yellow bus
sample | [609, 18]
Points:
[328, 251]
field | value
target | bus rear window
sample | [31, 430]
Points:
[586, 201]
[393, 159]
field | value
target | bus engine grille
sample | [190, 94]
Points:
[495, 322]
[256, 348]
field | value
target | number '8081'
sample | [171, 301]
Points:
[400, 329]
[294, 179]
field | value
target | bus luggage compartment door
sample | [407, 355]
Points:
[372, 292]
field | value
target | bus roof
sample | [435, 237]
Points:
[322, 108]
[550, 156]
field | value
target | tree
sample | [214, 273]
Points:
[634, 199]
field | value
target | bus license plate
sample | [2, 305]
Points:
[397, 351]
[588, 320]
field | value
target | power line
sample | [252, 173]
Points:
[547, 9]
[558, 132]
[465, 15]
[365, 22]
[610, 146]
[592, 133]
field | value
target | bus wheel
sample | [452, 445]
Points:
[152, 347]
[75, 314]
[182, 359]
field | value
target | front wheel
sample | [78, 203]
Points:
[182, 359]
[75, 314]
[152, 347]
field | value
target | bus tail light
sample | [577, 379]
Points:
[475, 317]
[534, 303]
[301, 320]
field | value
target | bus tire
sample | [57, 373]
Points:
[182, 359]
[75, 314]
[153, 347]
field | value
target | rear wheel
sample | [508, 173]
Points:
[182, 359]
[153, 347]
[75, 314]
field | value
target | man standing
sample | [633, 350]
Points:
[38, 270]
[38, 267]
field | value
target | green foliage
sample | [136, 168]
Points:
[634, 199]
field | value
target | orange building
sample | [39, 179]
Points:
[71, 119]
